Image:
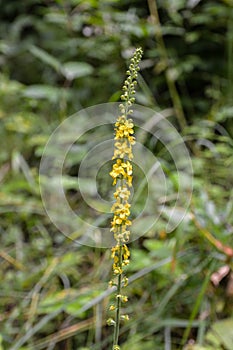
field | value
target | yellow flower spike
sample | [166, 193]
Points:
[122, 175]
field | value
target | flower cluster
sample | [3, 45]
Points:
[123, 171]
[116, 257]
[125, 140]
[122, 174]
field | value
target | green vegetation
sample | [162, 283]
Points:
[58, 57]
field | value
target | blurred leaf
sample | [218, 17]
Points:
[140, 259]
[72, 70]
[56, 301]
[23, 123]
[46, 57]
[222, 333]
[53, 94]
[158, 249]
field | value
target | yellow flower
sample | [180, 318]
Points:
[124, 128]
[110, 322]
[123, 149]
[117, 170]
[125, 281]
[122, 170]
[122, 192]
[128, 167]
[125, 317]
[124, 298]
[125, 140]
[126, 252]
[116, 347]
[117, 270]
[111, 283]
[114, 251]
[121, 209]
[123, 220]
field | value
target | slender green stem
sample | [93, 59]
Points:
[118, 304]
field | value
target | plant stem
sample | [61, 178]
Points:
[118, 304]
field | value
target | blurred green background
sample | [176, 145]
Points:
[57, 57]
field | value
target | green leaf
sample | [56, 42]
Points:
[55, 301]
[72, 70]
[140, 259]
[46, 57]
[222, 333]
[158, 249]
[47, 92]
[73, 307]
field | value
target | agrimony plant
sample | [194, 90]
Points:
[122, 174]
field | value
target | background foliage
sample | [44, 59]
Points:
[57, 57]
